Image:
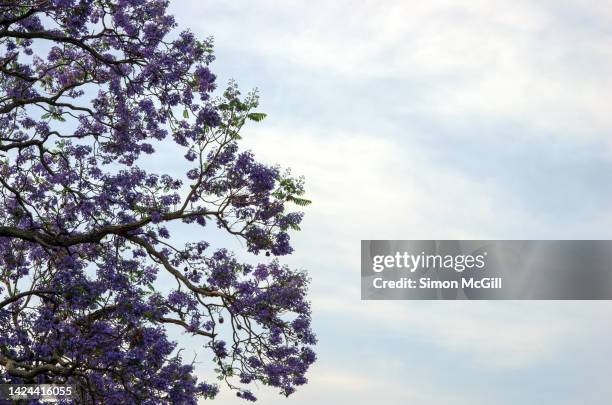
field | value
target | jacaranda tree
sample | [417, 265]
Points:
[90, 92]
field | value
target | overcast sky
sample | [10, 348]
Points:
[437, 119]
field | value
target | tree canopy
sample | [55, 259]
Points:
[89, 90]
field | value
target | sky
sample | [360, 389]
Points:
[432, 120]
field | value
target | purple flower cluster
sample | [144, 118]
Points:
[88, 89]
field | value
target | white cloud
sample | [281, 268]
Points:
[489, 334]
[512, 60]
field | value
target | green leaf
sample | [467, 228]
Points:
[185, 113]
[234, 134]
[257, 117]
[302, 202]
[58, 116]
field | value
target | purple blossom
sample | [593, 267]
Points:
[78, 116]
